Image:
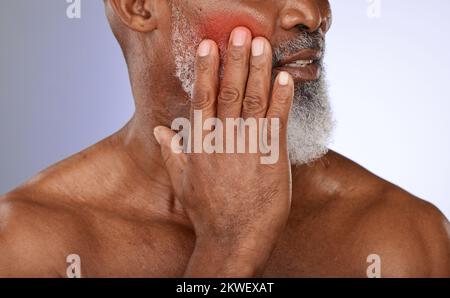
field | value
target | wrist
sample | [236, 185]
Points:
[224, 257]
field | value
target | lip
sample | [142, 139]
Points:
[307, 73]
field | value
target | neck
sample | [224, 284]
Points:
[142, 154]
[154, 107]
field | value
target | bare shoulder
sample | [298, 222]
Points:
[410, 235]
[35, 236]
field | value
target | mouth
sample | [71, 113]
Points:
[303, 65]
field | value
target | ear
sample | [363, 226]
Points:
[136, 14]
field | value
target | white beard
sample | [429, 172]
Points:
[310, 122]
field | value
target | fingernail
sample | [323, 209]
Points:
[283, 79]
[238, 38]
[156, 132]
[257, 47]
[204, 49]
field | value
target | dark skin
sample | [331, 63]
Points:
[124, 207]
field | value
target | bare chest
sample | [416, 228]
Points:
[304, 250]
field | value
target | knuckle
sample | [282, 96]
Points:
[254, 103]
[229, 95]
[257, 66]
[283, 96]
[203, 65]
[202, 100]
[236, 56]
[282, 123]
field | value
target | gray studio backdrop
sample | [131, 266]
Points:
[64, 86]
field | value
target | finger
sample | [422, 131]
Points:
[206, 80]
[256, 98]
[233, 84]
[280, 105]
[174, 162]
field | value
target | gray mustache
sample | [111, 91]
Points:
[303, 41]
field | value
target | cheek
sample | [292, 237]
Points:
[218, 27]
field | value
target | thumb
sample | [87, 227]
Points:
[173, 161]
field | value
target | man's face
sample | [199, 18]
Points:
[294, 27]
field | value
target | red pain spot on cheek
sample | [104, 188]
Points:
[219, 27]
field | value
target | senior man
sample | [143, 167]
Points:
[130, 206]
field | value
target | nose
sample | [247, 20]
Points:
[308, 15]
